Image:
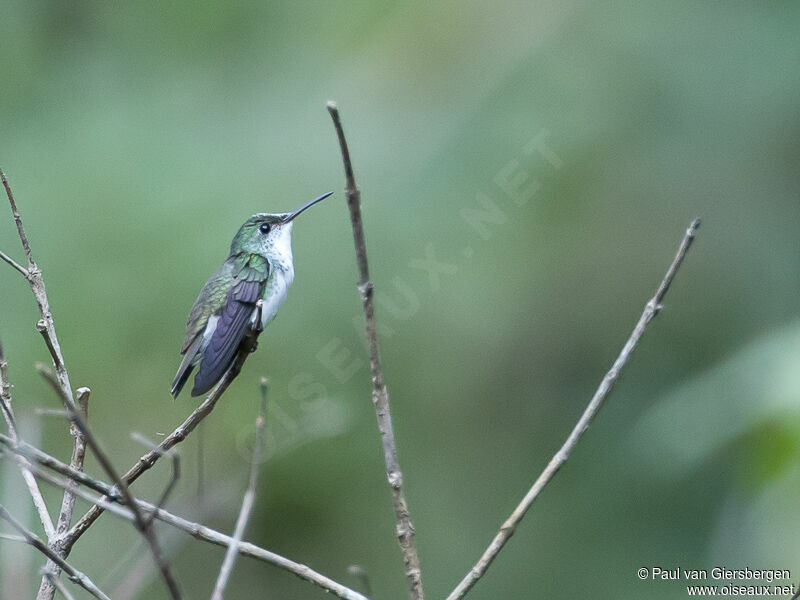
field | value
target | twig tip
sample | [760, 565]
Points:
[332, 107]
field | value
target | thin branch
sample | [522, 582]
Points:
[380, 395]
[14, 264]
[141, 524]
[196, 530]
[56, 583]
[40, 457]
[651, 309]
[73, 574]
[149, 459]
[176, 469]
[46, 326]
[247, 501]
[20, 229]
[76, 462]
[30, 482]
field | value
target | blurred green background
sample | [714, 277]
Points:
[138, 136]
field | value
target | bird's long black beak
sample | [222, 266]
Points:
[292, 215]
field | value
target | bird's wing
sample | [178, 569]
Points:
[235, 319]
[210, 300]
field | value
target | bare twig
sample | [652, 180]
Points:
[196, 530]
[142, 525]
[14, 264]
[651, 309]
[380, 395]
[73, 574]
[176, 469]
[56, 583]
[33, 453]
[46, 326]
[51, 571]
[8, 414]
[247, 501]
[5, 394]
[20, 229]
[177, 436]
[76, 462]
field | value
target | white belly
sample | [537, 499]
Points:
[275, 294]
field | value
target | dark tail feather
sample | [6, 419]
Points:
[180, 380]
[187, 366]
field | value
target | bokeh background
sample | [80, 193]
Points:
[138, 136]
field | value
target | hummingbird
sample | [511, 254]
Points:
[259, 267]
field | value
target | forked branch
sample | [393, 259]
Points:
[74, 575]
[111, 496]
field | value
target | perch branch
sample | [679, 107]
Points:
[176, 470]
[196, 530]
[247, 501]
[74, 575]
[179, 434]
[651, 309]
[46, 327]
[380, 395]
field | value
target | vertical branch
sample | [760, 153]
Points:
[508, 528]
[50, 582]
[76, 462]
[56, 583]
[18, 221]
[247, 501]
[46, 326]
[380, 395]
[8, 414]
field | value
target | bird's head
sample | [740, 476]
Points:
[269, 233]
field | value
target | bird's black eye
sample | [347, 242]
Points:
[264, 228]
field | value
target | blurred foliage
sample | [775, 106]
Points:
[139, 135]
